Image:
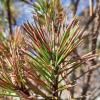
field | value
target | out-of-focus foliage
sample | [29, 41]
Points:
[47, 11]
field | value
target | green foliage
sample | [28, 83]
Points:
[39, 61]
[46, 11]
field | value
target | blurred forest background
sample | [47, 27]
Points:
[14, 13]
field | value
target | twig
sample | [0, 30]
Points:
[91, 7]
[9, 15]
